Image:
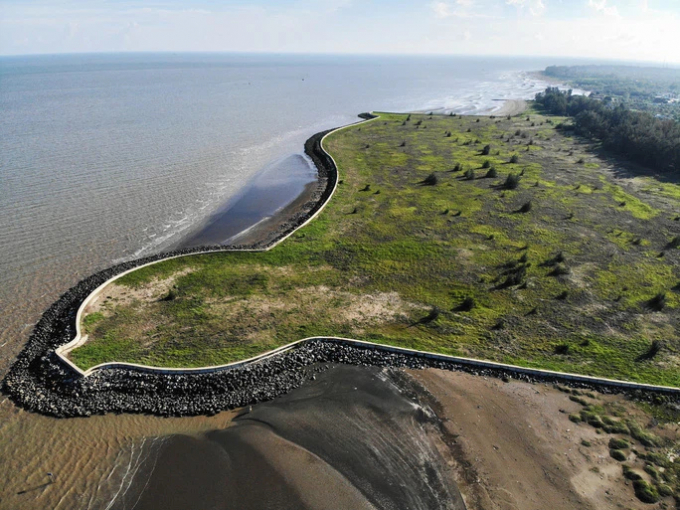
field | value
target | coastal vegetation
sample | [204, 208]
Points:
[656, 90]
[557, 259]
[638, 136]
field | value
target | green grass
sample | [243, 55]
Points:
[374, 273]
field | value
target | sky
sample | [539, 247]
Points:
[644, 30]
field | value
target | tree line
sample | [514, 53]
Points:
[637, 135]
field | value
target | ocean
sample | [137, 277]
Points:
[105, 158]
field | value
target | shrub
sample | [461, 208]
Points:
[525, 207]
[514, 158]
[618, 455]
[469, 174]
[674, 243]
[559, 270]
[430, 317]
[653, 472]
[515, 277]
[486, 164]
[467, 305]
[664, 490]
[658, 302]
[653, 350]
[646, 438]
[171, 296]
[586, 443]
[562, 349]
[457, 168]
[366, 188]
[576, 418]
[486, 150]
[492, 173]
[563, 295]
[645, 491]
[402, 144]
[511, 181]
[618, 443]
[630, 473]
[430, 180]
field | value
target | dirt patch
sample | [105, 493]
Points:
[516, 448]
[121, 295]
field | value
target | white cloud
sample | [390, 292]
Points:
[534, 7]
[457, 9]
[441, 9]
[602, 7]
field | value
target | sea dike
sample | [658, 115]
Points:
[39, 381]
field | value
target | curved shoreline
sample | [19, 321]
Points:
[40, 381]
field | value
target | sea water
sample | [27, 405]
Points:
[105, 158]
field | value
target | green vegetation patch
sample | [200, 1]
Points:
[527, 271]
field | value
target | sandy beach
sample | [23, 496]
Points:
[512, 107]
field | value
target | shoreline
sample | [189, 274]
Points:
[39, 381]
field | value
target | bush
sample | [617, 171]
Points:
[631, 474]
[457, 168]
[469, 174]
[467, 305]
[645, 491]
[576, 418]
[171, 296]
[618, 443]
[618, 455]
[430, 180]
[514, 158]
[511, 181]
[486, 164]
[562, 349]
[664, 490]
[525, 207]
[492, 173]
[559, 270]
[486, 150]
[658, 302]
[646, 438]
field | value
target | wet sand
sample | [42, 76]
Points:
[275, 194]
[356, 438]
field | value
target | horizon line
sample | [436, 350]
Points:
[664, 63]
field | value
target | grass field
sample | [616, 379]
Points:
[573, 270]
